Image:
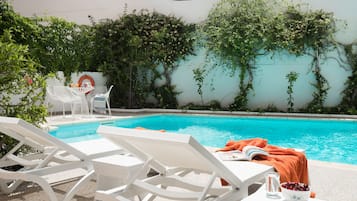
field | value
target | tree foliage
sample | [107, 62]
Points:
[22, 88]
[130, 49]
[54, 43]
[21, 84]
[63, 46]
[23, 30]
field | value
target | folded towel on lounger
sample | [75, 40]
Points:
[290, 164]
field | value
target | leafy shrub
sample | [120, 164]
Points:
[130, 49]
[22, 88]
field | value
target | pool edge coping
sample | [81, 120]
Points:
[236, 113]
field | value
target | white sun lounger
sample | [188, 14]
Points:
[56, 156]
[167, 153]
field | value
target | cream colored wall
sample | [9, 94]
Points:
[270, 84]
[78, 10]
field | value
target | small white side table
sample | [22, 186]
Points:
[260, 195]
[116, 170]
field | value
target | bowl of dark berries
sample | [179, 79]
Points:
[295, 191]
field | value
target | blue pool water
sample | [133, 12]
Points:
[325, 140]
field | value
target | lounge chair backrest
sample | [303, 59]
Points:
[19, 129]
[171, 150]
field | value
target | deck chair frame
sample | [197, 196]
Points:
[56, 156]
[188, 156]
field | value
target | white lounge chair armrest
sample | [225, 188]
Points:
[22, 161]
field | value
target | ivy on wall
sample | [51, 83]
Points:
[291, 77]
[349, 100]
[311, 33]
[238, 31]
[199, 76]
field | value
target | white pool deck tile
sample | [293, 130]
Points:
[330, 181]
[53, 121]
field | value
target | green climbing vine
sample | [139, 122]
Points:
[349, 100]
[237, 31]
[292, 77]
[311, 33]
[199, 76]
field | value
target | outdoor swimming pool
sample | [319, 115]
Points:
[325, 140]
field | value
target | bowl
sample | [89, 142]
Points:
[295, 191]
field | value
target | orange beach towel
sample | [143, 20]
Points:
[141, 128]
[290, 164]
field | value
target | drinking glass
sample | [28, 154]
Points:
[272, 182]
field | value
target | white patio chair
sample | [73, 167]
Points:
[166, 153]
[50, 99]
[65, 96]
[98, 100]
[57, 157]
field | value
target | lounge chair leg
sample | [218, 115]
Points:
[208, 186]
[79, 184]
[35, 179]
[9, 188]
[50, 193]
